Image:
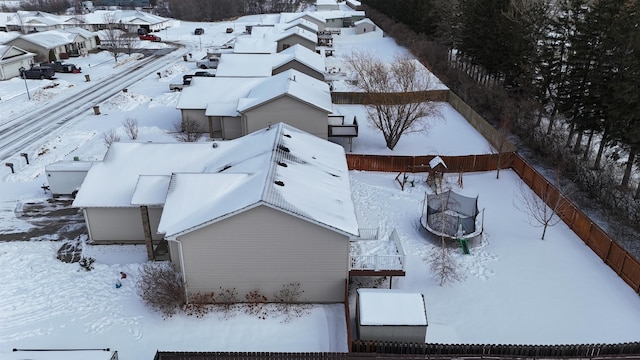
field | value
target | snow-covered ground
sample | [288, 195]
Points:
[517, 288]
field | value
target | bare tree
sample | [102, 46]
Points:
[442, 260]
[113, 35]
[444, 265]
[394, 93]
[543, 203]
[499, 143]
[131, 127]
[110, 136]
[187, 130]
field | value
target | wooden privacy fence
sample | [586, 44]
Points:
[499, 351]
[390, 163]
[361, 98]
[493, 136]
[618, 259]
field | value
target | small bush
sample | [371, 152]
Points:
[87, 263]
[110, 136]
[227, 299]
[131, 127]
[161, 289]
[187, 130]
[200, 304]
[256, 304]
[287, 301]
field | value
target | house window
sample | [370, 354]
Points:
[285, 46]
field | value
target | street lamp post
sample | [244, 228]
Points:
[24, 76]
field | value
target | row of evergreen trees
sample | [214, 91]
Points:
[577, 58]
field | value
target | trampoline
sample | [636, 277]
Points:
[452, 216]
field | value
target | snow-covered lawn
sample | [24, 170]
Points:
[517, 288]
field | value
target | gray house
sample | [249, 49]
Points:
[234, 106]
[263, 211]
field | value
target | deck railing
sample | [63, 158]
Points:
[368, 234]
[380, 262]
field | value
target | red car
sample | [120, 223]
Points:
[150, 37]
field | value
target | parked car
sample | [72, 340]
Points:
[203, 73]
[150, 37]
[229, 30]
[186, 80]
[37, 72]
[59, 66]
[198, 31]
[209, 63]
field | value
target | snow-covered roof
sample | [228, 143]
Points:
[303, 23]
[391, 307]
[289, 17]
[262, 65]
[340, 14]
[151, 190]
[59, 166]
[292, 83]
[436, 161]
[255, 45]
[280, 167]
[230, 96]
[82, 32]
[219, 94]
[52, 38]
[364, 21]
[295, 31]
[303, 55]
[245, 65]
[123, 16]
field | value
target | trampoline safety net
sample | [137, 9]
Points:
[452, 214]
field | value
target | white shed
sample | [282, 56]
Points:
[391, 315]
[65, 177]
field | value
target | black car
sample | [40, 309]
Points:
[59, 66]
[37, 72]
[198, 31]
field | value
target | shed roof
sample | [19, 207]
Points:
[391, 307]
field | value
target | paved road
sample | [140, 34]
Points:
[36, 126]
